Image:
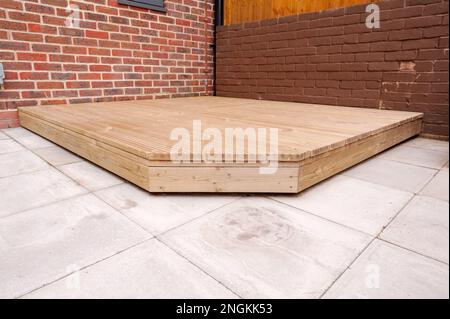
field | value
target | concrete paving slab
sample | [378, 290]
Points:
[438, 187]
[423, 226]
[417, 156]
[158, 212]
[20, 162]
[44, 244]
[263, 249]
[10, 146]
[90, 176]
[352, 202]
[57, 156]
[27, 138]
[385, 271]
[393, 174]
[149, 270]
[26, 191]
[426, 143]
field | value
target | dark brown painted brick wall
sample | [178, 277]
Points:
[332, 58]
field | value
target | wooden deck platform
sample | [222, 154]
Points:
[132, 140]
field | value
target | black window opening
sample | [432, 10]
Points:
[157, 5]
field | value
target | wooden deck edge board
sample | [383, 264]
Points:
[320, 167]
[167, 179]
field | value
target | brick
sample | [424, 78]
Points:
[321, 23]
[50, 85]
[405, 34]
[13, 45]
[17, 66]
[327, 84]
[332, 31]
[39, 28]
[355, 67]
[345, 76]
[34, 76]
[5, 55]
[390, 25]
[401, 56]
[12, 25]
[320, 41]
[23, 16]
[45, 48]
[386, 46]
[432, 54]
[437, 8]
[18, 36]
[338, 92]
[407, 12]
[399, 77]
[421, 22]
[366, 94]
[355, 85]
[436, 31]
[47, 67]
[342, 58]
[97, 34]
[10, 85]
[42, 9]
[345, 39]
[384, 66]
[330, 67]
[11, 4]
[354, 48]
[420, 44]
[346, 19]
[370, 57]
[373, 37]
[420, 2]
[31, 56]
[393, 4]
[440, 66]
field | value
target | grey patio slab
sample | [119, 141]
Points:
[423, 226]
[352, 202]
[44, 244]
[157, 212]
[20, 162]
[57, 156]
[90, 176]
[417, 156]
[262, 249]
[27, 138]
[3, 136]
[389, 272]
[149, 270]
[26, 191]
[9, 146]
[397, 175]
[438, 187]
[442, 146]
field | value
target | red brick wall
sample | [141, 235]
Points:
[118, 52]
[331, 57]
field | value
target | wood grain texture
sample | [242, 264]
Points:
[240, 11]
[132, 140]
